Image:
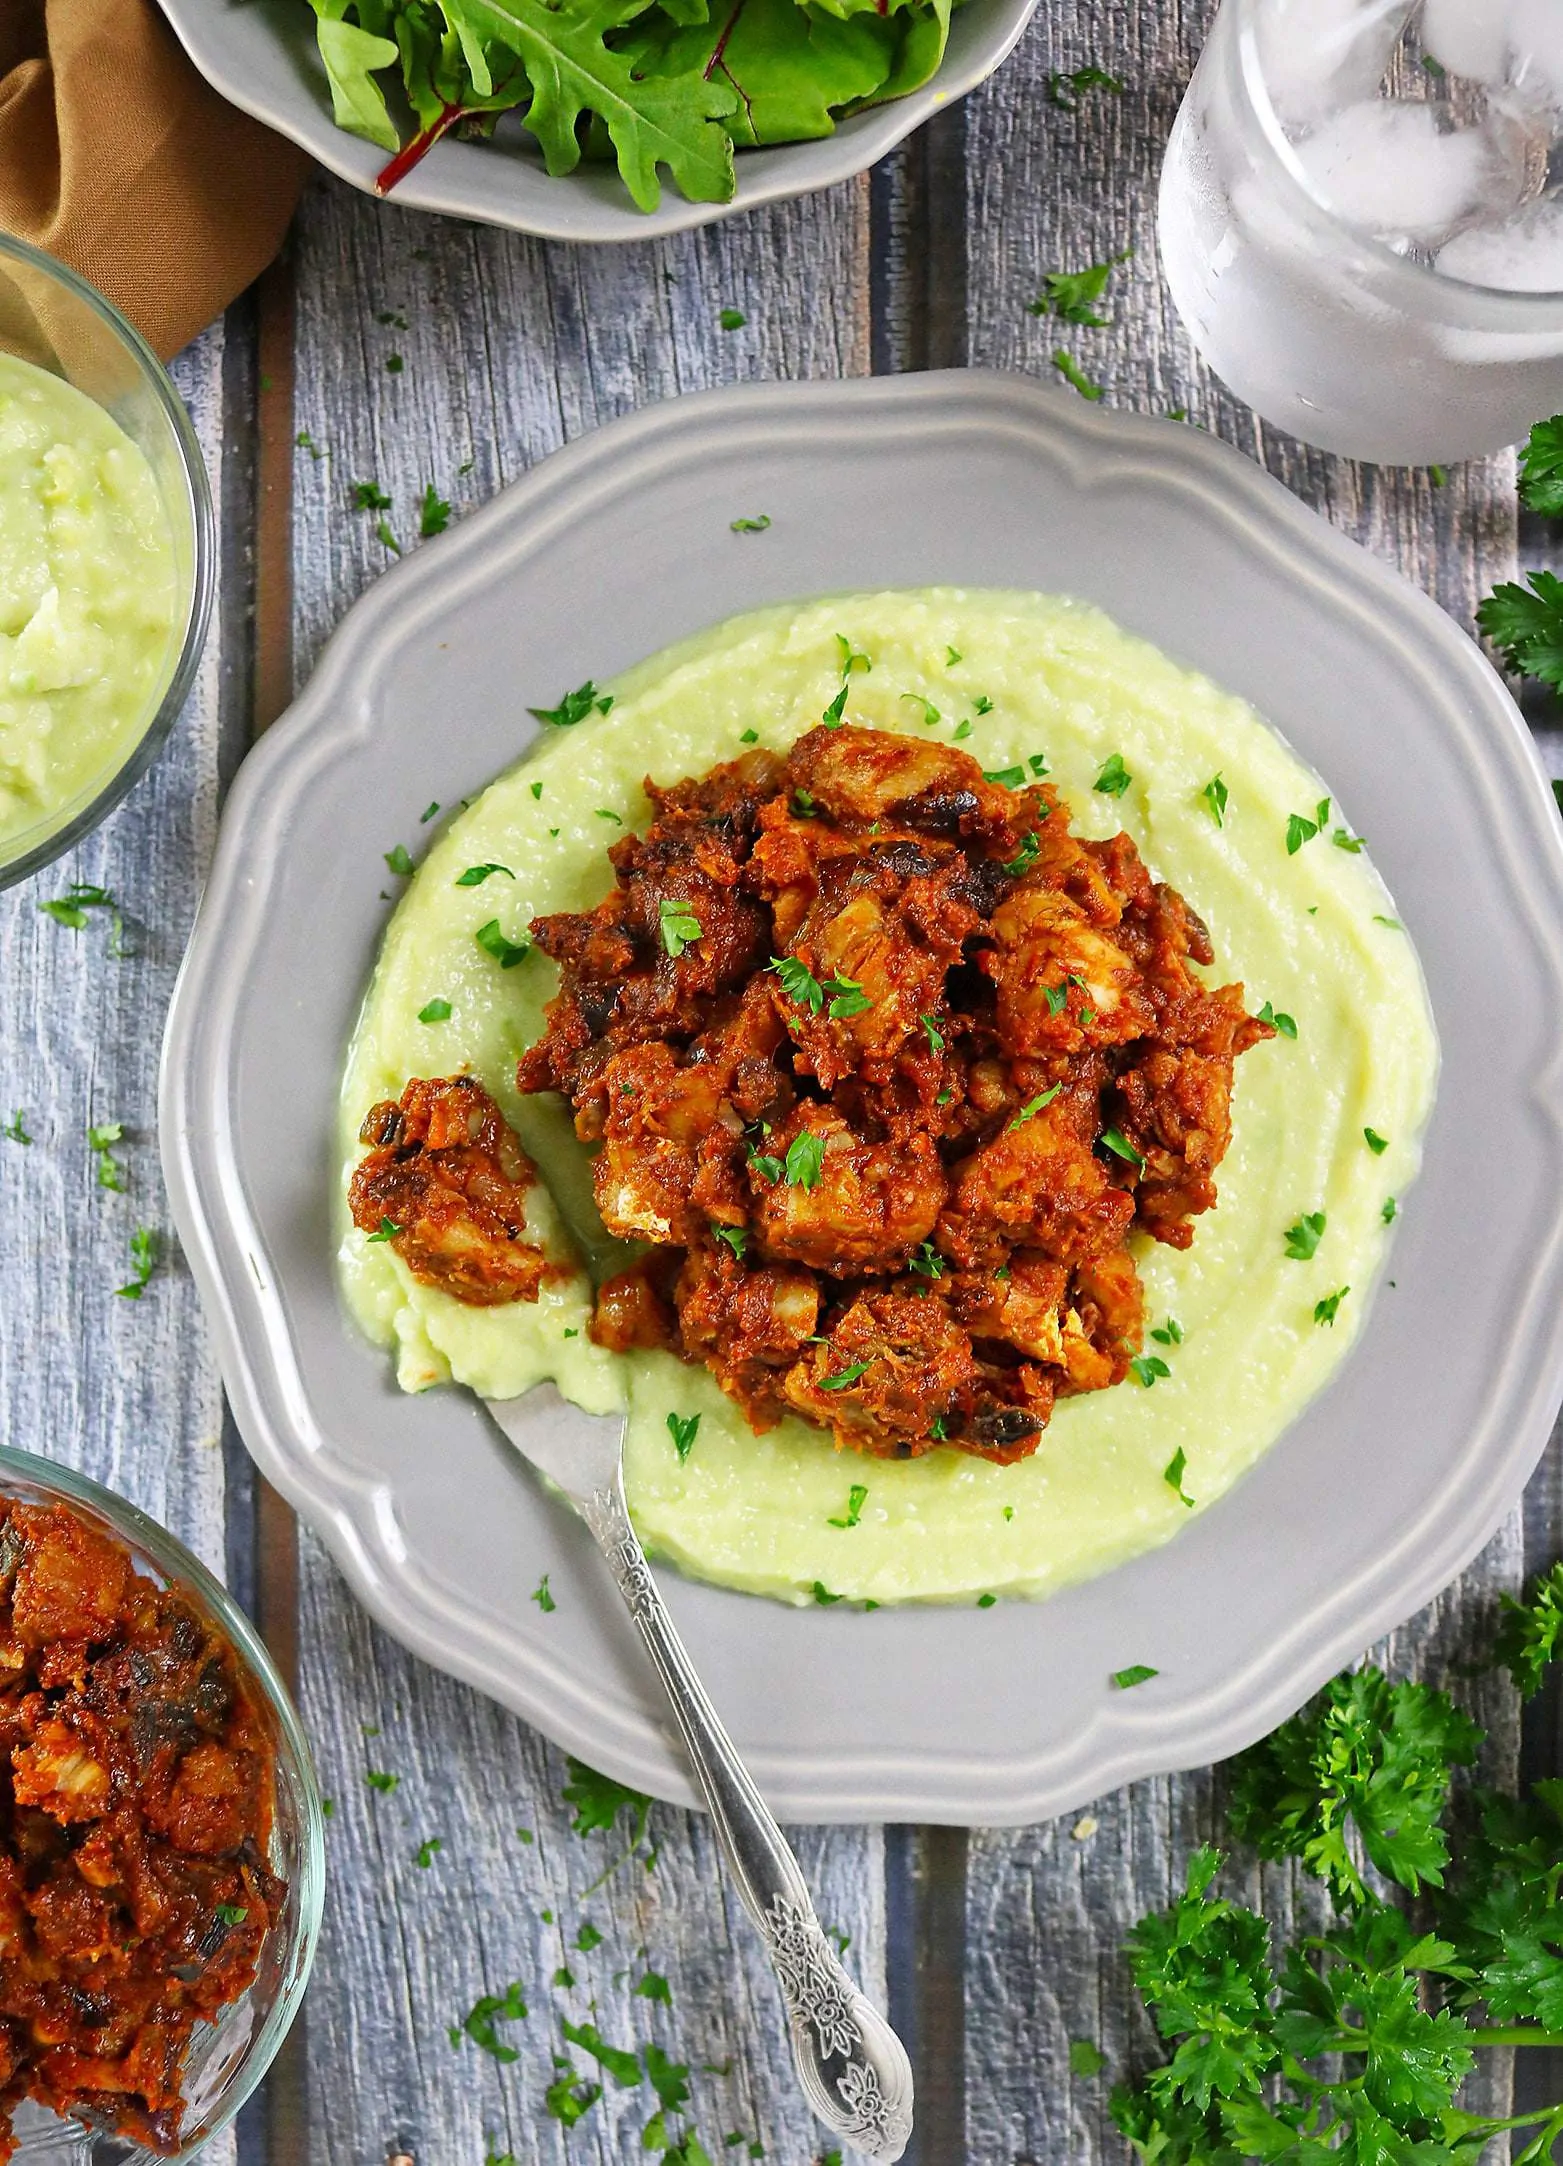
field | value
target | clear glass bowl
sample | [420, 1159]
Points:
[227, 2058]
[55, 320]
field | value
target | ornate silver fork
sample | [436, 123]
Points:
[853, 2068]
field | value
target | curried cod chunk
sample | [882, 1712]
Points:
[861, 1082]
[840, 1204]
[71, 1581]
[447, 1172]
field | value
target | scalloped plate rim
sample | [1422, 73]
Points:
[1124, 1739]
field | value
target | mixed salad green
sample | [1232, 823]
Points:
[650, 83]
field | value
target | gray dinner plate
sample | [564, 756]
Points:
[261, 55]
[1376, 1496]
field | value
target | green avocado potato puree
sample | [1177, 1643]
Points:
[88, 600]
[1312, 931]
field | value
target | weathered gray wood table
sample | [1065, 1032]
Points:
[407, 350]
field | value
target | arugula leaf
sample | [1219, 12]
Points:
[1527, 628]
[1541, 468]
[353, 56]
[786, 70]
[1364, 1756]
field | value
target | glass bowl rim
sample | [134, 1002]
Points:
[1521, 303]
[175, 1562]
[203, 570]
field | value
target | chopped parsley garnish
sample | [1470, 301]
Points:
[1120, 1146]
[1300, 829]
[369, 496]
[1026, 856]
[805, 1160]
[1072, 295]
[1343, 839]
[844, 1377]
[1071, 371]
[1285, 1024]
[679, 925]
[394, 364]
[1173, 1473]
[654, 1987]
[1541, 469]
[622, 2066]
[588, 1938]
[102, 1139]
[732, 319]
[400, 861]
[1302, 1240]
[1326, 1311]
[799, 983]
[1390, 1211]
[543, 1598]
[433, 513]
[1138, 1673]
[597, 1800]
[145, 1244]
[935, 1034]
[857, 1497]
[14, 1130]
[1063, 89]
[986, 1601]
[832, 717]
[507, 953]
[962, 729]
[1168, 1334]
[802, 805]
[569, 2101]
[427, 1851]
[852, 658]
[306, 442]
[1394, 924]
[232, 1913]
[1057, 998]
[944, 1098]
[605, 812]
[70, 910]
[847, 999]
[927, 1262]
[735, 1237]
[1114, 778]
[479, 2020]
[1085, 2058]
[752, 526]
[574, 707]
[1147, 1368]
[383, 535]
[931, 713]
[1034, 1106]
[1376, 1143]
[378, 1779]
[475, 875]
[823, 1595]
[767, 1167]
[1012, 778]
[952, 656]
[683, 1429]
[428, 813]
[1215, 797]
[434, 1011]
[748, 737]
[1037, 762]
[982, 705]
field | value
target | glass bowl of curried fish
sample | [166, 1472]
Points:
[161, 1866]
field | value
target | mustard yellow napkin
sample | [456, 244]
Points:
[116, 157]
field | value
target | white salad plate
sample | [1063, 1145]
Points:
[261, 55]
[1384, 1487]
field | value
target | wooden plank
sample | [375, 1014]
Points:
[1048, 1907]
[506, 348]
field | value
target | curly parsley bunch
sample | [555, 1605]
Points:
[1352, 2047]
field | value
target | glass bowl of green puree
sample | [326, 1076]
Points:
[106, 558]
